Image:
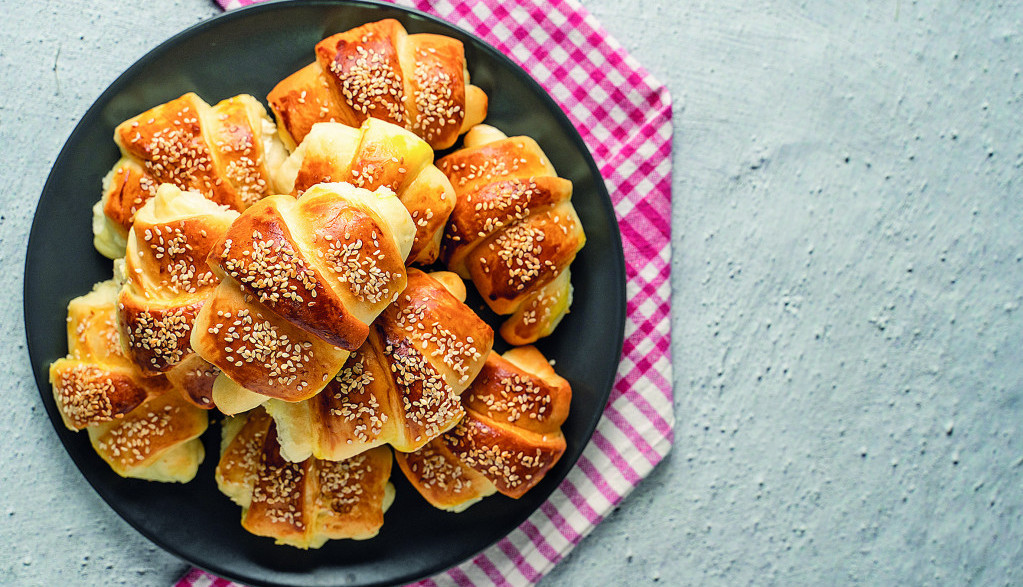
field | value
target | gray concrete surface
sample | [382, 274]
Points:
[846, 295]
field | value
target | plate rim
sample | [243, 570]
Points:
[91, 115]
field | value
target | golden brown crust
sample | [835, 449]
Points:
[215, 151]
[128, 188]
[431, 345]
[354, 407]
[238, 149]
[522, 258]
[141, 426]
[514, 460]
[281, 496]
[301, 100]
[169, 141]
[363, 70]
[173, 254]
[540, 312]
[513, 231]
[87, 393]
[351, 494]
[91, 327]
[439, 325]
[388, 157]
[148, 433]
[419, 82]
[95, 383]
[195, 377]
[356, 248]
[441, 477]
[301, 504]
[220, 151]
[259, 253]
[167, 277]
[300, 279]
[240, 456]
[402, 387]
[506, 393]
[260, 351]
[156, 338]
[438, 84]
[505, 159]
[429, 405]
[430, 199]
[496, 205]
[511, 434]
[376, 155]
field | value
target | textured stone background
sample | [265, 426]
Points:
[847, 286]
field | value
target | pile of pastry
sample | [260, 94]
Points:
[265, 269]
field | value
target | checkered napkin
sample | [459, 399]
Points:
[624, 115]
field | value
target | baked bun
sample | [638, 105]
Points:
[419, 82]
[167, 279]
[301, 504]
[141, 426]
[513, 232]
[510, 436]
[377, 154]
[401, 387]
[301, 279]
[228, 153]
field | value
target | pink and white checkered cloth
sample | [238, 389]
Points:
[624, 115]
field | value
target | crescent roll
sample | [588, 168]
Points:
[301, 504]
[227, 152]
[373, 155]
[419, 82]
[141, 426]
[167, 279]
[513, 232]
[401, 387]
[300, 282]
[510, 436]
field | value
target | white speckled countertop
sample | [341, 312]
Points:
[847, 281]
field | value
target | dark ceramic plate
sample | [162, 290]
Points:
[248, 51]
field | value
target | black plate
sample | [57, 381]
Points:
[248, 51]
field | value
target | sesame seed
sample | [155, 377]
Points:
[83, 394]
[370, 84]
[355, 266]
[342, 483]
[427, 399]
[273, 270]
[435, 471]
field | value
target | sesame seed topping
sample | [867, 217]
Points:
[131, 441]
[436, 105]
[370, 84]
[83, 394]
[177, 155]
[270, 270]
[352, 402]
[456, 353]
[279, 492]
[518, 397]
[165, 336]
[519, 247]
[248, 447]
[357, 267]
[427, 399]
[435, 470]
[180, 271]
[497, 464]
[256, 341]
[342, 483]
